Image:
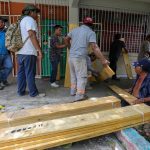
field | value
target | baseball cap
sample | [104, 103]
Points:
[31, 8]
[144, 64]
[88, 20]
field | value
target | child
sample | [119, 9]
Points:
[56, 48]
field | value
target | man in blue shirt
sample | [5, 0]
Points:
[141, 90]
[5, 58]
[141, 87]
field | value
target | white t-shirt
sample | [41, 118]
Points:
[26, 24]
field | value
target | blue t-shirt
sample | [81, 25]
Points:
[80, 39]
[3, 49]
[144, 89]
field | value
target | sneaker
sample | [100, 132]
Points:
[2, 84]
[73, 92]
[40, 95]
[5, 83]
[81, 97]
[1, 87]
[54, 85]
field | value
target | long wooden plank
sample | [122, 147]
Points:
[49, 141]
[105, 121]
[127, 65]
[57, 111]
[123, 94]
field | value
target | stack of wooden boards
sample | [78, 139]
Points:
[66, 128]
[60, 131]
[49, 112]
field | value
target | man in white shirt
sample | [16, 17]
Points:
[27, 55]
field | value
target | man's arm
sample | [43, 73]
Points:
[60, 46]
[142, 100]
[35, 42]
[67, 41]
[147, 99]
[99, 54]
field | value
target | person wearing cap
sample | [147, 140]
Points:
[145, 49]
[141, 90]
[27, 55]
[5, 58]
[141, 87]
[79, 39]
[55, 53]
[115, 50]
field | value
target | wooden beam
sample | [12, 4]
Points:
[123, 94]
[75, 128]
[127, 65]
[57, 111]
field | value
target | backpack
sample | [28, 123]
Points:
[13, 38]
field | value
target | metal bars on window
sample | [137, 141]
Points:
[53, 12]
[4, 7]
[132, 25]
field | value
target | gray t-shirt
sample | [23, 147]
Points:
[80, 39]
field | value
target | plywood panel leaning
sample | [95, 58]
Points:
[127, 65]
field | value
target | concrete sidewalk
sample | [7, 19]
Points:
[12, 101]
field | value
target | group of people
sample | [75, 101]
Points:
[118, 46]
[78, 41]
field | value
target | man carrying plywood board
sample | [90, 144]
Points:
[79, 39]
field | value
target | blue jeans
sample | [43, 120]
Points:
[54, 64]
[5, 67]
[26, 73]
